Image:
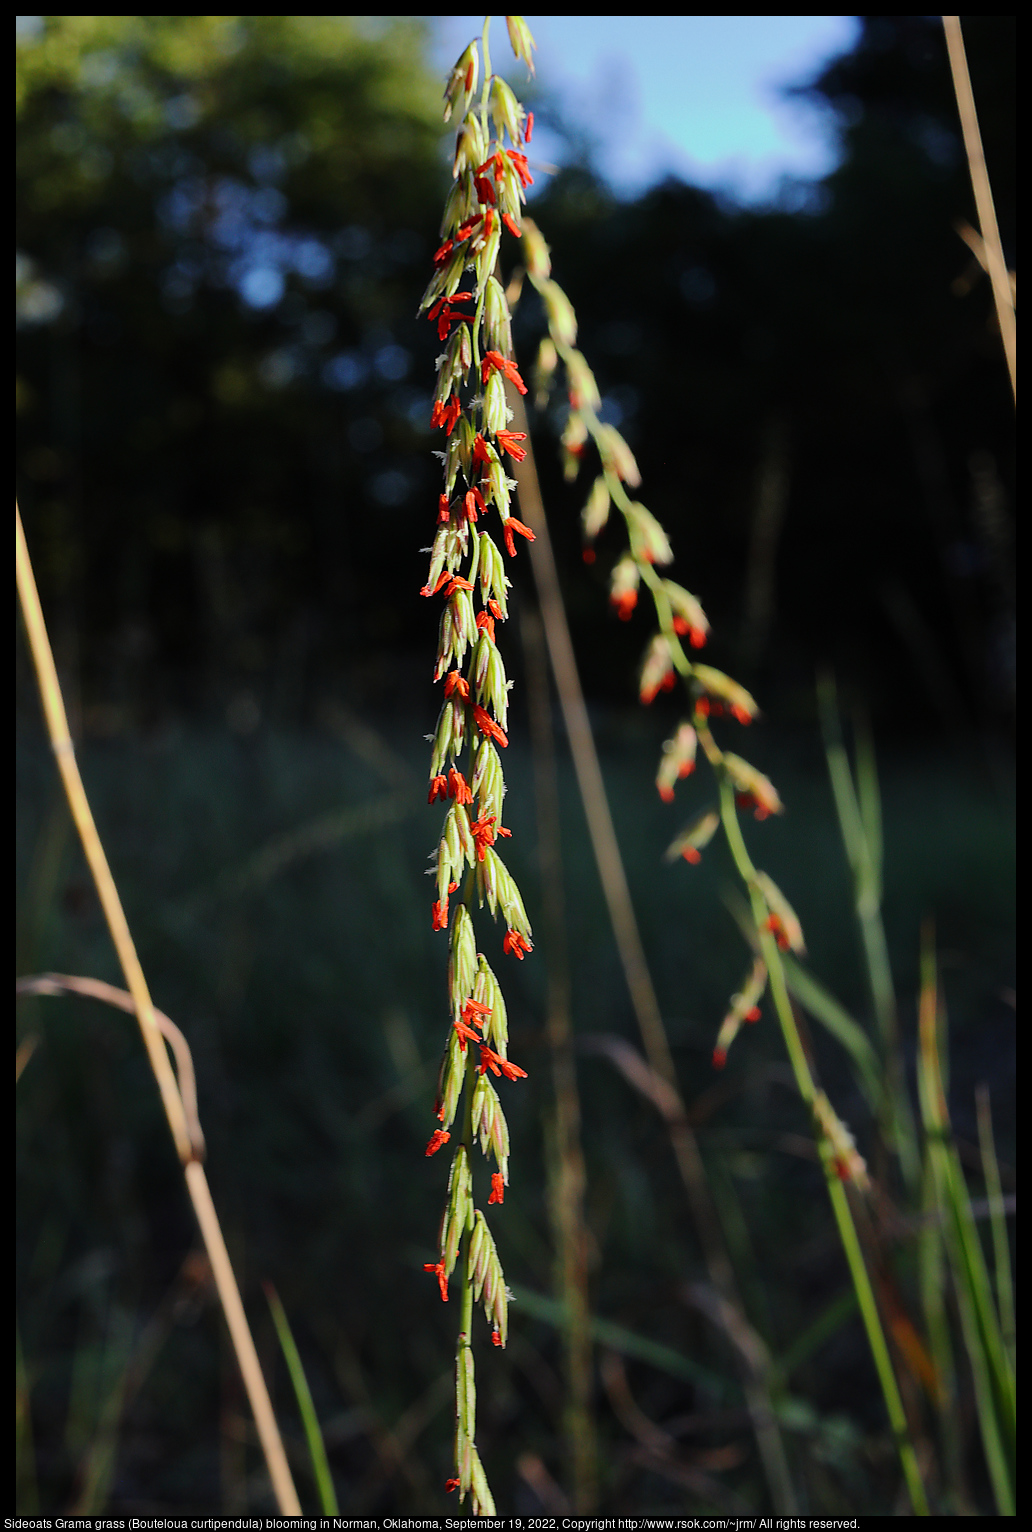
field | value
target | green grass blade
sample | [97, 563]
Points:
[309, 1419]
[994, 1383]
[792, 1412]
[993, 1379]
[860, 820]
[998, 1218]
[869, 801]
[846, 804]
[830, 1320]
[605, 1333]
[931, 1257]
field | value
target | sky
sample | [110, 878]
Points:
[694, 95]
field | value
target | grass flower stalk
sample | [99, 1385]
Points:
[711, 694]
[465, 301]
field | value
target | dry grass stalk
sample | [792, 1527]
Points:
[172, 1100]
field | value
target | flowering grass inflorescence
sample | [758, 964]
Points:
[467, 567]
[467, 304]
[710, 694]
[679, 617]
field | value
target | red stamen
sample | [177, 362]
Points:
[442, 1280]
[519, 163]
[474, 500]
[457, 787]
[503, 365]
[510, 526]
[486, 724]
[465, 1034]
[489, 1059]
[509, 439]
[514, 942]
[474, 1009]
[482, 831]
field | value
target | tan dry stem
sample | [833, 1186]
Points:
[994, 260]
[96, 989]
[566, 1161]
[197, 1183]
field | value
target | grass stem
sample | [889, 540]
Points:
[994, 258]
[193, 1170]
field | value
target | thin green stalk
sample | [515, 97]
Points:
[822, 1005]
[466, 1315]
[309, 1419]
[466, 1394]
[836, 1190]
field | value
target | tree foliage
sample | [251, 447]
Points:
[221, 226]
[224, 396]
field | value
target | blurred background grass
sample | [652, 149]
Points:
[302, 968]
[224, 470]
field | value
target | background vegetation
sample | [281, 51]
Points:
[224, 468]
